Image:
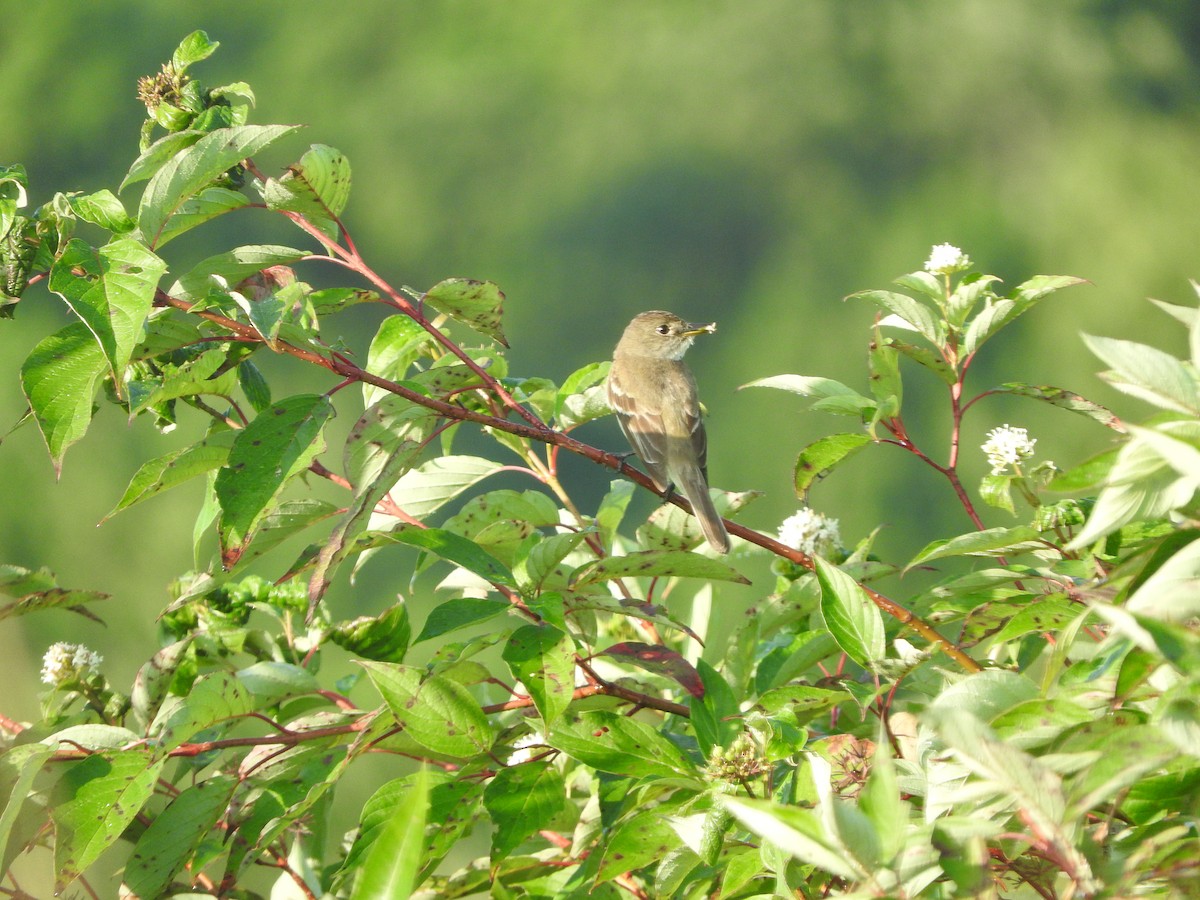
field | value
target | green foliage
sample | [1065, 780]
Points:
[1024, 721]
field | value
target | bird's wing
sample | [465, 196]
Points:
[643, 427]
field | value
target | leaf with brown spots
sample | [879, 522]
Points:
[436, 712]
[96, 800]
[659, 660]
[542, 658]
[520, 800]
[477, 304]
[276, 447]
[621, 745]
[641, 840]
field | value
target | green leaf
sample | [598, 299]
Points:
[19, 767]
[521, 800]
[1141, 485]
[611, 510]
[317, 187]
[298, 778]
[924, 356]
[831, 396]
[1036, 722]
[477, 304]
[820, 457]
[670, 528]
[602, 601]
[655, 564]
[1148, 373]
[38, 590]
[883, 361]
[615, 743]
[367, 495]
[715, 714]
[111, 290]
[384, 637]
[1188, 315]
[203, 374]
[254, 385]
[802, 701]
[917, 314]
[996, 491]
[279, 444]
[542, 658]
[853, 620]
[327, 301]
[1088, 475]
[1175, 644]
[985, 694]
[880, 799]
[175, 834]
[994, 316]
[193, 48]
[1063, 399]
[1037, 288]
[538, 559]
[192, 170]
[395, 347]
[207, 204]
[461, 612]
[477, 514]
[1126, 753]
[923, 283]
[989, 542]
[999, 313]
[232, 267]
[1177, 448]
[791, 658]
[797, 832]
[96, 799]
[284, 521]
[455, 549]
[583, 396]
[104, 209]
[156, 155]
[270, 681]
[212, 700]
[426, 488]
[59, 379]
[1046, 615]
[966, 295]
[637, 842]
[385, 429]
[14, 185]
[393, 863]
[452, 808]
[1165, 588]
[175, 468]
[1017, 777]
[437, 713]
[154, 678]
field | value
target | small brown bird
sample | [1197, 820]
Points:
[653, 393]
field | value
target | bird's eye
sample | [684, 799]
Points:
[663, 328]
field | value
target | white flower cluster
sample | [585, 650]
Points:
[946, 259]
[65, 662]
[1007, 446]
[810, 532]
[523, 748]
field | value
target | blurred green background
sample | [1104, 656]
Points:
[750, 162]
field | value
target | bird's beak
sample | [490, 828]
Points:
[694, 328]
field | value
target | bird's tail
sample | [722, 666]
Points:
[695, 488]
